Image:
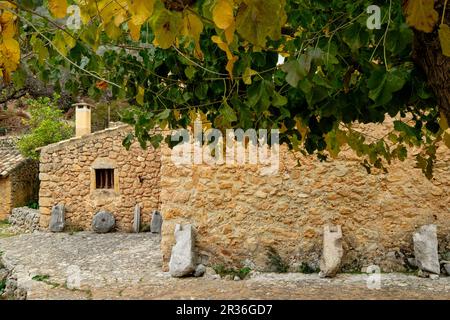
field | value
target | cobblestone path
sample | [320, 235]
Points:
[128, 266]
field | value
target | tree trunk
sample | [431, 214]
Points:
[427, 54]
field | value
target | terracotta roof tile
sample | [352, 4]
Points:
[10, 157]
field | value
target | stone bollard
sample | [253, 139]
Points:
[332, 251]
[182, 259]
[57, 218]
[137, 219]
[426, 249]
[157, 221]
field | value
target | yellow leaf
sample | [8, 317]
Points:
[230, 65]
[108, 10]
[247, 76]
[58, 8]
[9, 57]
[8, 30]
[229, 32]
[135, 31]
[140, 10]
[223, 14]
[302, 129]
[222, 45]
[140, 96]
[231, 58]
[421, 15]
[112, 31]
[166, 27]
[444, 37]
[63, 42]
[193, 27]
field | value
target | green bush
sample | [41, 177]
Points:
[33, 205]
[306, 268]
[46, 124]
[223, 271]
[276, 262]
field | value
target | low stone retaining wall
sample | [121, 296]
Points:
[9, 289]
[25, 218]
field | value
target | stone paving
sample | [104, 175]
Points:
[128, 266]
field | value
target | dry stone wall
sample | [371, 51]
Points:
[67, 175]
[24, 219]
[25, 183]
[239, 213]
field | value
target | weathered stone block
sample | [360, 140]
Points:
[426, 249]
[447, 268]
[57, 218]
[332, 251]
[199, 270]
[182, 260]
[157, 221]
[137, 219]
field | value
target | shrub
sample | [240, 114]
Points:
[306, 268]
[223, 271]
[46, 124]
[276, 262]
[33, 205]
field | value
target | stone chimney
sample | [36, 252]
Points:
[82, 119]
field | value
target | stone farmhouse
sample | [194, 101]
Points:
[19, 183]
[238, 212]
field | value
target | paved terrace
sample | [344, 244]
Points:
[128, 266]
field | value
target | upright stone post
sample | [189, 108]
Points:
[137, 219]
[182, 259]
[332, 251]
[426, 249]
[157, 221]
[57, 218]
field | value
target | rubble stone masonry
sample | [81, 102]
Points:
[239, 213]
[67, 175]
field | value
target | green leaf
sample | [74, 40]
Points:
[356, 36]
[190, 72]
[247, 75]
[383, 84]
[278, 100]
[128, 140]
[403, 127]
[164, 114]
[201, 90]
[227, 112]
[296, 70]
[155, 140]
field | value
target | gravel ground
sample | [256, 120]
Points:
[86, 265]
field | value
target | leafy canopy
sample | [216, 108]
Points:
[46, 124]
[177, 59]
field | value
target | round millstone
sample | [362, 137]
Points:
[103, 222]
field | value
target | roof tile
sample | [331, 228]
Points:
[10, 156]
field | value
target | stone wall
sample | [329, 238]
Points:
[25, 183]
[19, 188]
[67, 174]
[239, 213]
[5, 197]
[25, 219]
